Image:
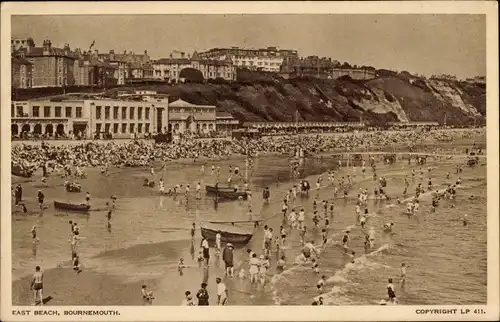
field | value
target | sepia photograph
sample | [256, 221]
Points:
[240, 158]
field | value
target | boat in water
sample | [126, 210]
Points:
[230, 232]
[71, 207]
[226, 192]
[21, 172]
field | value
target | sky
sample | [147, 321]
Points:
[424, 44]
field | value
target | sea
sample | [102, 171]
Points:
[149, 233]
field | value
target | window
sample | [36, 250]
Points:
[68, 111]
[106, 127]
[124, 127]
[98, 112]
[139, 113]
[106, 112]
[146, 113]
[36, 111]
[139, 128]
[58, 111]
[12, 110]
[46, 111]
[78, 112]
[115, 128]
[115, 113]
[132, 116]
[124, 113]
[19, 111]
[131, 128]
[146, 128]
[98, 127]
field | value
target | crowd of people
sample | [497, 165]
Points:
[141, 152]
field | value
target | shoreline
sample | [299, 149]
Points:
[236, 156]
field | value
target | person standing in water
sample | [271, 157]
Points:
[403, 273]
[371, 237]
[37, 286]
[33, 234]
[390, 292]
[162, 187]
[41, 198]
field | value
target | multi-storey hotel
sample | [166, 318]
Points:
[170, 69]
[72, 115]
[268, 59]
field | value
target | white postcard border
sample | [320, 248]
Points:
[266, 313]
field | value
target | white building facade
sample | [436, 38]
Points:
[121, 118]
[185, 117]
[267, 59]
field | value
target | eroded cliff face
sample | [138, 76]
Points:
[379, 100]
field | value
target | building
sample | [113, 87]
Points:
[185, 117]
[170, 69]
[52, 67]
[301, 126]
[444, 77]
[129, 65]
[66, 115]
[267, 59]
[88, 70]
[22, 72]
[354, 73]
[477, 80]
[225, 122]
[311, 66]
[17, 44]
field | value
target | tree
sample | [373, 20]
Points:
[191, 75]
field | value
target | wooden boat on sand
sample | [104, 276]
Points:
[234, 234]
[71, 207]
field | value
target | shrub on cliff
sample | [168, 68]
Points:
[191, 75]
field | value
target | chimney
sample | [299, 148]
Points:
[146, 52]
[46, 47]
[124, 52]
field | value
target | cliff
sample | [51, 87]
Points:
[258, 97]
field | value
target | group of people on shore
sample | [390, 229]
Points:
[141, 153]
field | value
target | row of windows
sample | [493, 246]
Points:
[47, 111]
[107, 112]
[116, 128]
[251, 63]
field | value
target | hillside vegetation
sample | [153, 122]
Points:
[391, 97]
[267, 97]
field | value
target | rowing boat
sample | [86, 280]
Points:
[21, 172]
[227, 192]
[72, 207]
[235, 234]
[214, 189]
